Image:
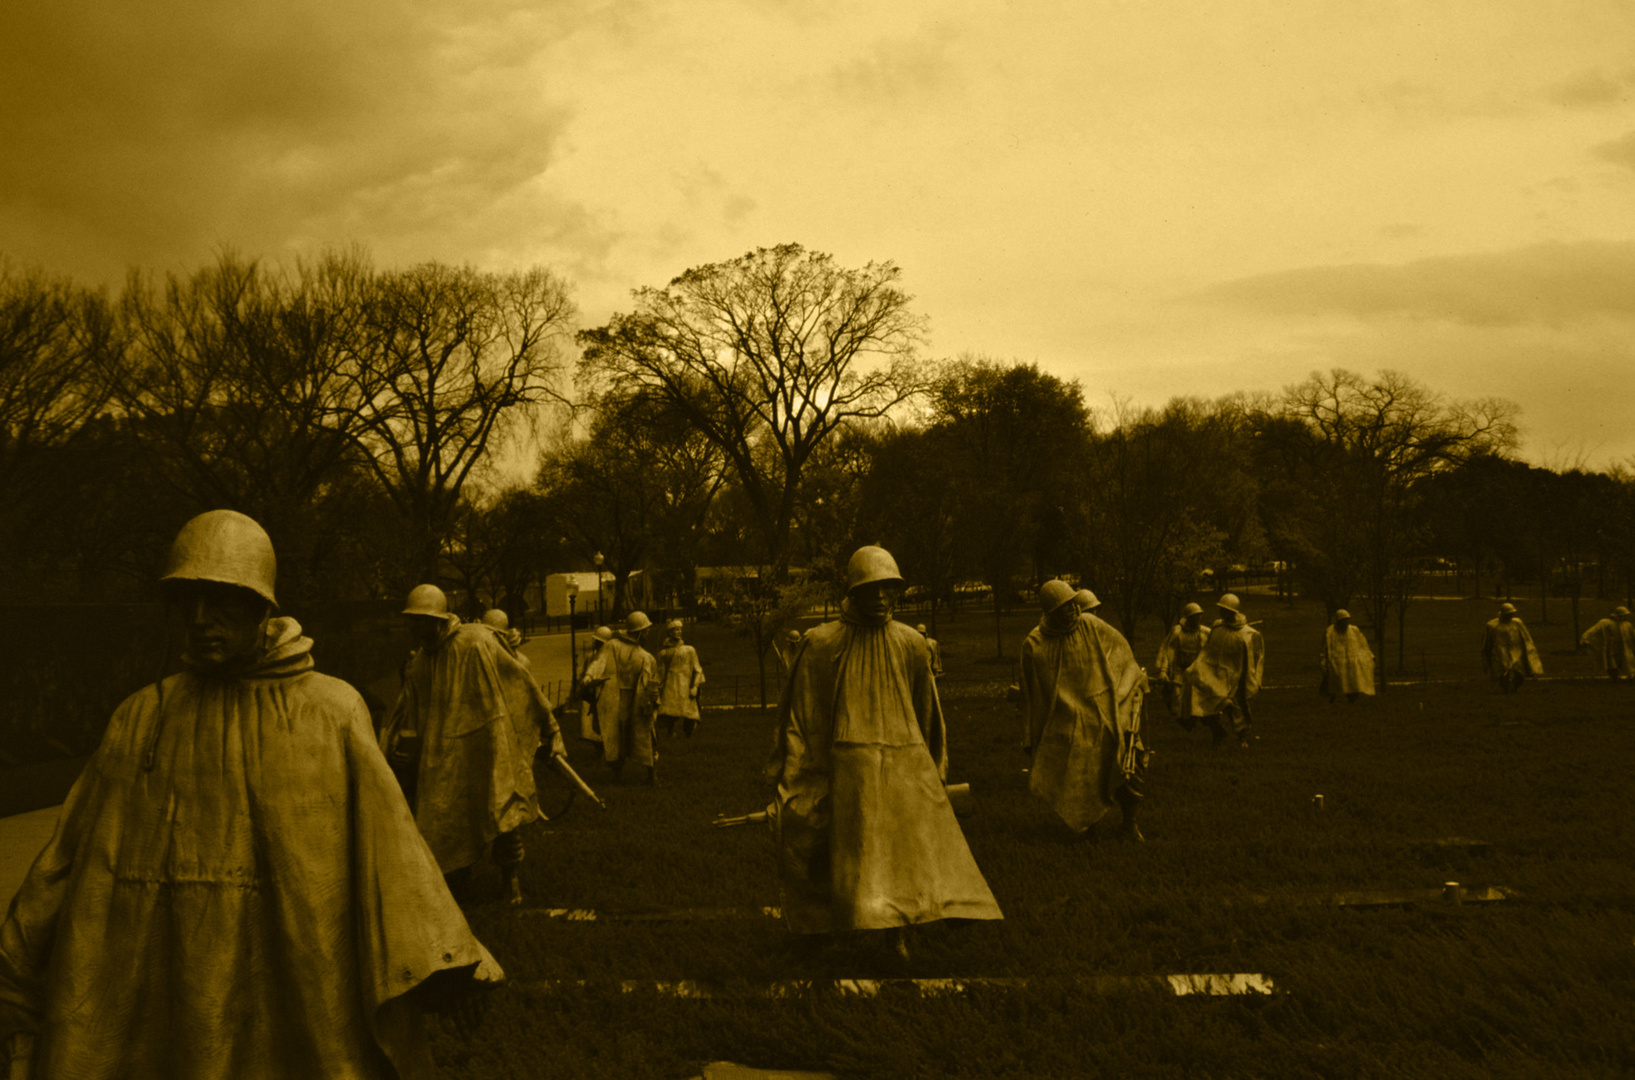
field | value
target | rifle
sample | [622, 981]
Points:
[959, 797]
[560, 764]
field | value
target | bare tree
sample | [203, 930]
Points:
[56, 341]
[1161, 491]
[445, 358]
[767, 356]
[637, 489]
[1014, 438]
[230, 382]
[1356, 451]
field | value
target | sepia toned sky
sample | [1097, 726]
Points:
[1156, 199]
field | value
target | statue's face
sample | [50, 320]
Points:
[876, 600]
[424, 629]
[1064, 616]
[222, 623]
[1193, 620]
[1341, 624]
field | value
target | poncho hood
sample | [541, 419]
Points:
[285, 651]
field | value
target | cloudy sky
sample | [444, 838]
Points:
[1155, 199]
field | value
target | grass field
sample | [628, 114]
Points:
[1541, 986]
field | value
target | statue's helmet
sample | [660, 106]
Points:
[871, 564]
[1342, 613]
[1191, 609]
[636, 622]
[1620, 611]
[673, 626]
[1507, 608]
[426, 600]
[496, 618]
[792, 636]
[1230, 602]
[1087, 600]
[921, 629]
[603, 633]
[1053, 594]
[228, 547]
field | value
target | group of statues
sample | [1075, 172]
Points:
[1210, 674]
[248, 881]
[626, 693]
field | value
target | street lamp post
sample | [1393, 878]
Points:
[598, 561]
[573, 647]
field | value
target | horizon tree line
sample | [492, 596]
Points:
[771, 411]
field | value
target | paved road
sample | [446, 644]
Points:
[548, 653]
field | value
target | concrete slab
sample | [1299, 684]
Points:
[1200, 985]
[726, 1070]
[21, 838]
[1449, 894]
[676, 915]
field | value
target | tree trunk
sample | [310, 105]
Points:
[998, 637]
[1402, 634]
[760, 663]
[1379, 613]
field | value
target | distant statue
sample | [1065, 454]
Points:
[1082, 694]
[626, 681]
[1226, 675]
[936, 649]
[1346, 660]
[466, 725]
[680, 677]
[1176, 653]
[1609, 642]
[1508, 654]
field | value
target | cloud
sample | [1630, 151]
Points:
[897, 69]
[1592, 89]
[1619, 151]
[1542, 284]
[151, 130]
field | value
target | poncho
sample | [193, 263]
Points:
[254, 906]
[479, 715]
[1230, 664]
[1606, 641]
[1179, 648]
[680, 676]
[1082, 694]
[589, 729]
[510, 639]
[1508, 646]
[1348, 661]
[867, 839]
[626, 677]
